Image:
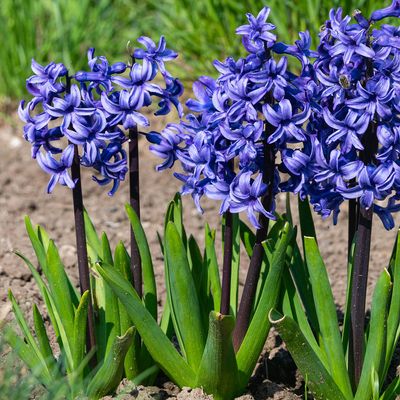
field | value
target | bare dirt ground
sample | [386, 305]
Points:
[23, 192]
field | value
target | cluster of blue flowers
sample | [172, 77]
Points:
[353, 150]
[334, 126]
[221, 148]
[90, 108]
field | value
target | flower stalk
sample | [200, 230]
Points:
[83, 262]
[134, 200]
[253, 273]
[361, 266]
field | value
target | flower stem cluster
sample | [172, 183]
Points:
[92, 108]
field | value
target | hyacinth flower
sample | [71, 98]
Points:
[350, 147]
[91, 110]
[228, 145]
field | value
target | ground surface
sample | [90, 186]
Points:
[23, 191]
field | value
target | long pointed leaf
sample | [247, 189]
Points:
[257, 333]
[327, 318]
[218, 373]
[318, 378]
[375, 351]
[184, 302]
[110, 373]
[159, 346]
[149, 281]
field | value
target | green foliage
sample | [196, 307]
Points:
[310, 328]
[206, 357]
[58, 30]
[68, 371]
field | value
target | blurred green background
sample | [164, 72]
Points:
[201, 31]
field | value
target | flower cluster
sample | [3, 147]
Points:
[255, 106]
[86, 113]
[334, 126]
[353, 143]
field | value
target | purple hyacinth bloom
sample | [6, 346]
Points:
[374, 183]
[203, 89]
[165, 144]
[86, 129]
[111, 162]
[243, 140]
[288, 124]
[245, 195]
[374, 98]
[339, 168]
[348, 131]
[122, 108]
[257, 35]
[157, 55]
[273, 76]
[170, 95]
[392, 11]
[192, 186]
[385, 213]
[351, 42]
[68, 107]
[58, 169]
[46, 79]
[101, 71]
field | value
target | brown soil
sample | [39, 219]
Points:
[23, 192]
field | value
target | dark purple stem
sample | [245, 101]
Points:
[81, 249]
[361, 266]
[227, 265]
[227, 261]
[83, 263]
[352, 228]
[253, 273]
[134, 200]
[359, 289]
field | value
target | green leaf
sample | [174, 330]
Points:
[375, 351]
[327, 317]
[319, 380]
[149, 281]
[394, 311]
[185, 305]
[200, 278]
[80, 326]
[212, 267]
[60, 288]
[110, 373]
[44, 344]
[234, 293]
[347, 308]
[306, 220]
[292, 307]
[43, 290]
[111, 327]
[92, 237]
[218, 373]
[33, 346]
[392, 390]
[28, 356]
[122, 263]
[159, 346]
[257, 333]
[36, 244]
[248, 238]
